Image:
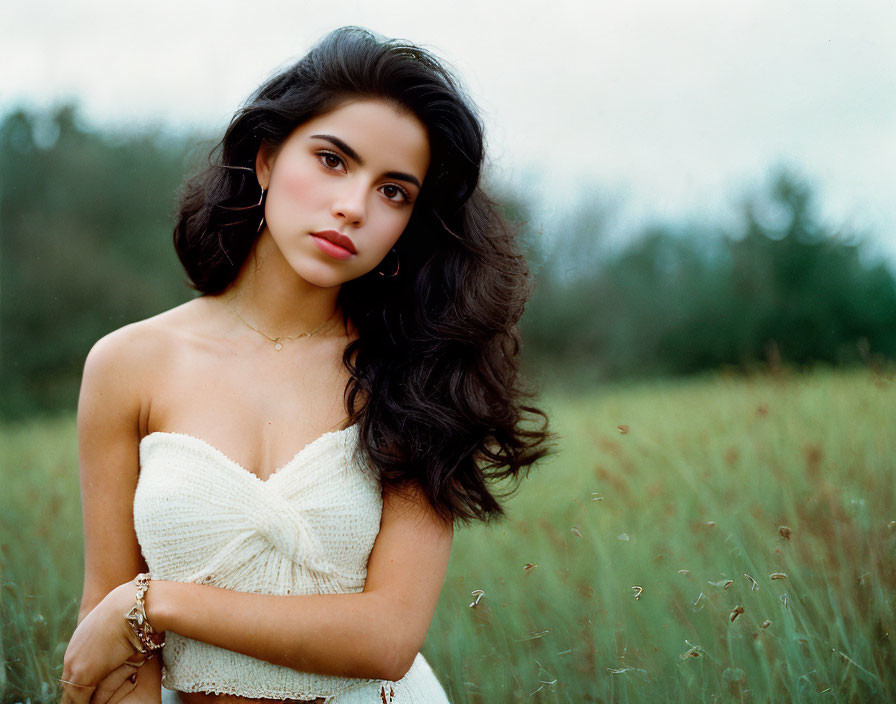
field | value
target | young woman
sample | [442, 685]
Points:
[359, 301]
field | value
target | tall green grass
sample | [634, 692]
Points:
[677, 488]
[686, 495]
[41, 553]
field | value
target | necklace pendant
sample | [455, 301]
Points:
[278, 346]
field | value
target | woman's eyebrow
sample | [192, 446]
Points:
[354, 156]
[349, 152]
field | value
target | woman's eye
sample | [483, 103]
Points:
[393, 192]
[330, 160]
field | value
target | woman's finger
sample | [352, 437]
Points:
[130, 684]
[115, 685]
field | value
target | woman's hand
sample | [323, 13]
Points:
[143, 686]
[99, 647]
[118, 684]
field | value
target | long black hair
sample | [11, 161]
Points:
[433, 381]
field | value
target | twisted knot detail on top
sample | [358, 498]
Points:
[285, 527]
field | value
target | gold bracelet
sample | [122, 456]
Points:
[75, 684]
[136, 619]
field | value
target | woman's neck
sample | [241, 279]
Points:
[269, 294]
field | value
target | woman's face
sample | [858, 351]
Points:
[341, 188]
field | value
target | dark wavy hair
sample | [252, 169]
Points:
[433, 382]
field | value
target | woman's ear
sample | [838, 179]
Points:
[264, 160]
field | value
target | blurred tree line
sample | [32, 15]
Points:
[781, 287]
[85, 247]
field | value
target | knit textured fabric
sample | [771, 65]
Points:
[309, 528]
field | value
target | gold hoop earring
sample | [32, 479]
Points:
[397, 266]
[259, 205]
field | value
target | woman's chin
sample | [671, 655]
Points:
[324, 277]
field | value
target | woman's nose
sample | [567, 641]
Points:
[349, 203]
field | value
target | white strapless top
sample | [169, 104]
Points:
[308, 529]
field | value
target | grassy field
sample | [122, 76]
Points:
[722, 539]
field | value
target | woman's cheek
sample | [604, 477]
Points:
[295, 193]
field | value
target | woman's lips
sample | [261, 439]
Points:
[335, 244]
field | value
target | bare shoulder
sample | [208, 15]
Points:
[143, 343]
[121, 366]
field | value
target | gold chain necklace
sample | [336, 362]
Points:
[278, 341]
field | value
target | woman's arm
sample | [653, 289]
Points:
[376, 633]
[109, 411]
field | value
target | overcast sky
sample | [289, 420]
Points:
[675, 106]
